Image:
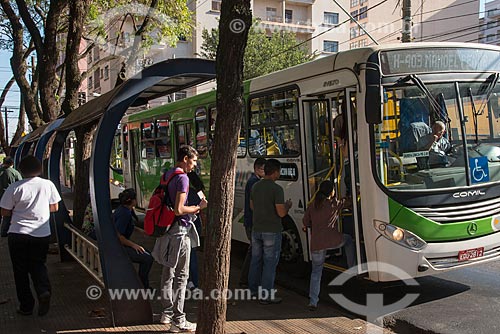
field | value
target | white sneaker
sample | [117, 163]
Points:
[184, 327]
[165, 319]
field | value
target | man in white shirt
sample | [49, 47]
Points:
[29, 202]
[437, 145]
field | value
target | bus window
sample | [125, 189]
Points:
[318, 139]
[163, 149]
[148, 130]
[274, 125]
[242, 142]
[201, 132]
[147, 140]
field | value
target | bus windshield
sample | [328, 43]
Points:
[422, 143]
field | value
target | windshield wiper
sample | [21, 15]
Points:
[488, 86]
[435, 107]
[475, 113]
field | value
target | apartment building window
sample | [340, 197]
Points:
[490, 38]
[89, 57]
[354, 3]
[180, 95]
[354, 14]
[288, 16]
[270, 14]
[106, 72]
[363, 13]
[90, 83]
[331, 18]
[97, 79]
[82, 98]
[97, 56]
[492, 12]
[491, 24]
[330, 46]
[354, 32]
[361, 31]
[362, 2]
[216, 5]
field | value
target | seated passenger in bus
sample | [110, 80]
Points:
[438, 146]
[125, 219]
[321, 216]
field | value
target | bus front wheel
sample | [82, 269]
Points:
[290, 242]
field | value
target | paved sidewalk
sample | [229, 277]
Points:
[72, 312]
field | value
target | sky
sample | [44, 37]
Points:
[12, 100]
[14, 96]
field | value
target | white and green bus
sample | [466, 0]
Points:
[356, 117]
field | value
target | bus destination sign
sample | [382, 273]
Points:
[438, 60]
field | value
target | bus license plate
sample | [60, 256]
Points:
[470, 254]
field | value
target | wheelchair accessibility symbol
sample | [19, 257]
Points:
[479, 169]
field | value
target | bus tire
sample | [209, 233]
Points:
[291, 250]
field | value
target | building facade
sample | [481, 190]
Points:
[321, 24]
[489, 29]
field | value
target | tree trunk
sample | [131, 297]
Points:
[47, 60]
[235, 21]
[18, 64]
[83, 149]
[3, 142]
[77, 12]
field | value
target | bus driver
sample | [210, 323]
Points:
[437, 145]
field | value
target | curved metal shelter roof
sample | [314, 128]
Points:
[160, 79]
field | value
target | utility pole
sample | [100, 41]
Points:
[7, 125]
[406, 35]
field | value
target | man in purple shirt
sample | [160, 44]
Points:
[181, 236]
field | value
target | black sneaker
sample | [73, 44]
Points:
[268, 301]
[43, 303]
[21, 312]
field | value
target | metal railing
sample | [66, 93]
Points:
[85, 251]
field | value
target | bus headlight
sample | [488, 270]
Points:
[400, 236]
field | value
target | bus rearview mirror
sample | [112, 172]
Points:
[373, 104]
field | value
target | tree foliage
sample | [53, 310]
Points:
[264, 54]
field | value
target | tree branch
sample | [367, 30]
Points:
[30, 25]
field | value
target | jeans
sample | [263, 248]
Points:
[174, 281]
[28, 255]
[145, 261]
[318, 259]
[266, 249]
[193, 267]
[248, 258]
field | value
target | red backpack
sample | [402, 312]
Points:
[160, 213]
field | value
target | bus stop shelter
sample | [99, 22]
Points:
[160, 79]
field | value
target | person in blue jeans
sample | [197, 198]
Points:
[322, 216]
[125, 219]
[258, 173]
[268, 204]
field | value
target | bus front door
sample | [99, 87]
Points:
[352, 183]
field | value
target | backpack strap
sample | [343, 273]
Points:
[167, 181]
